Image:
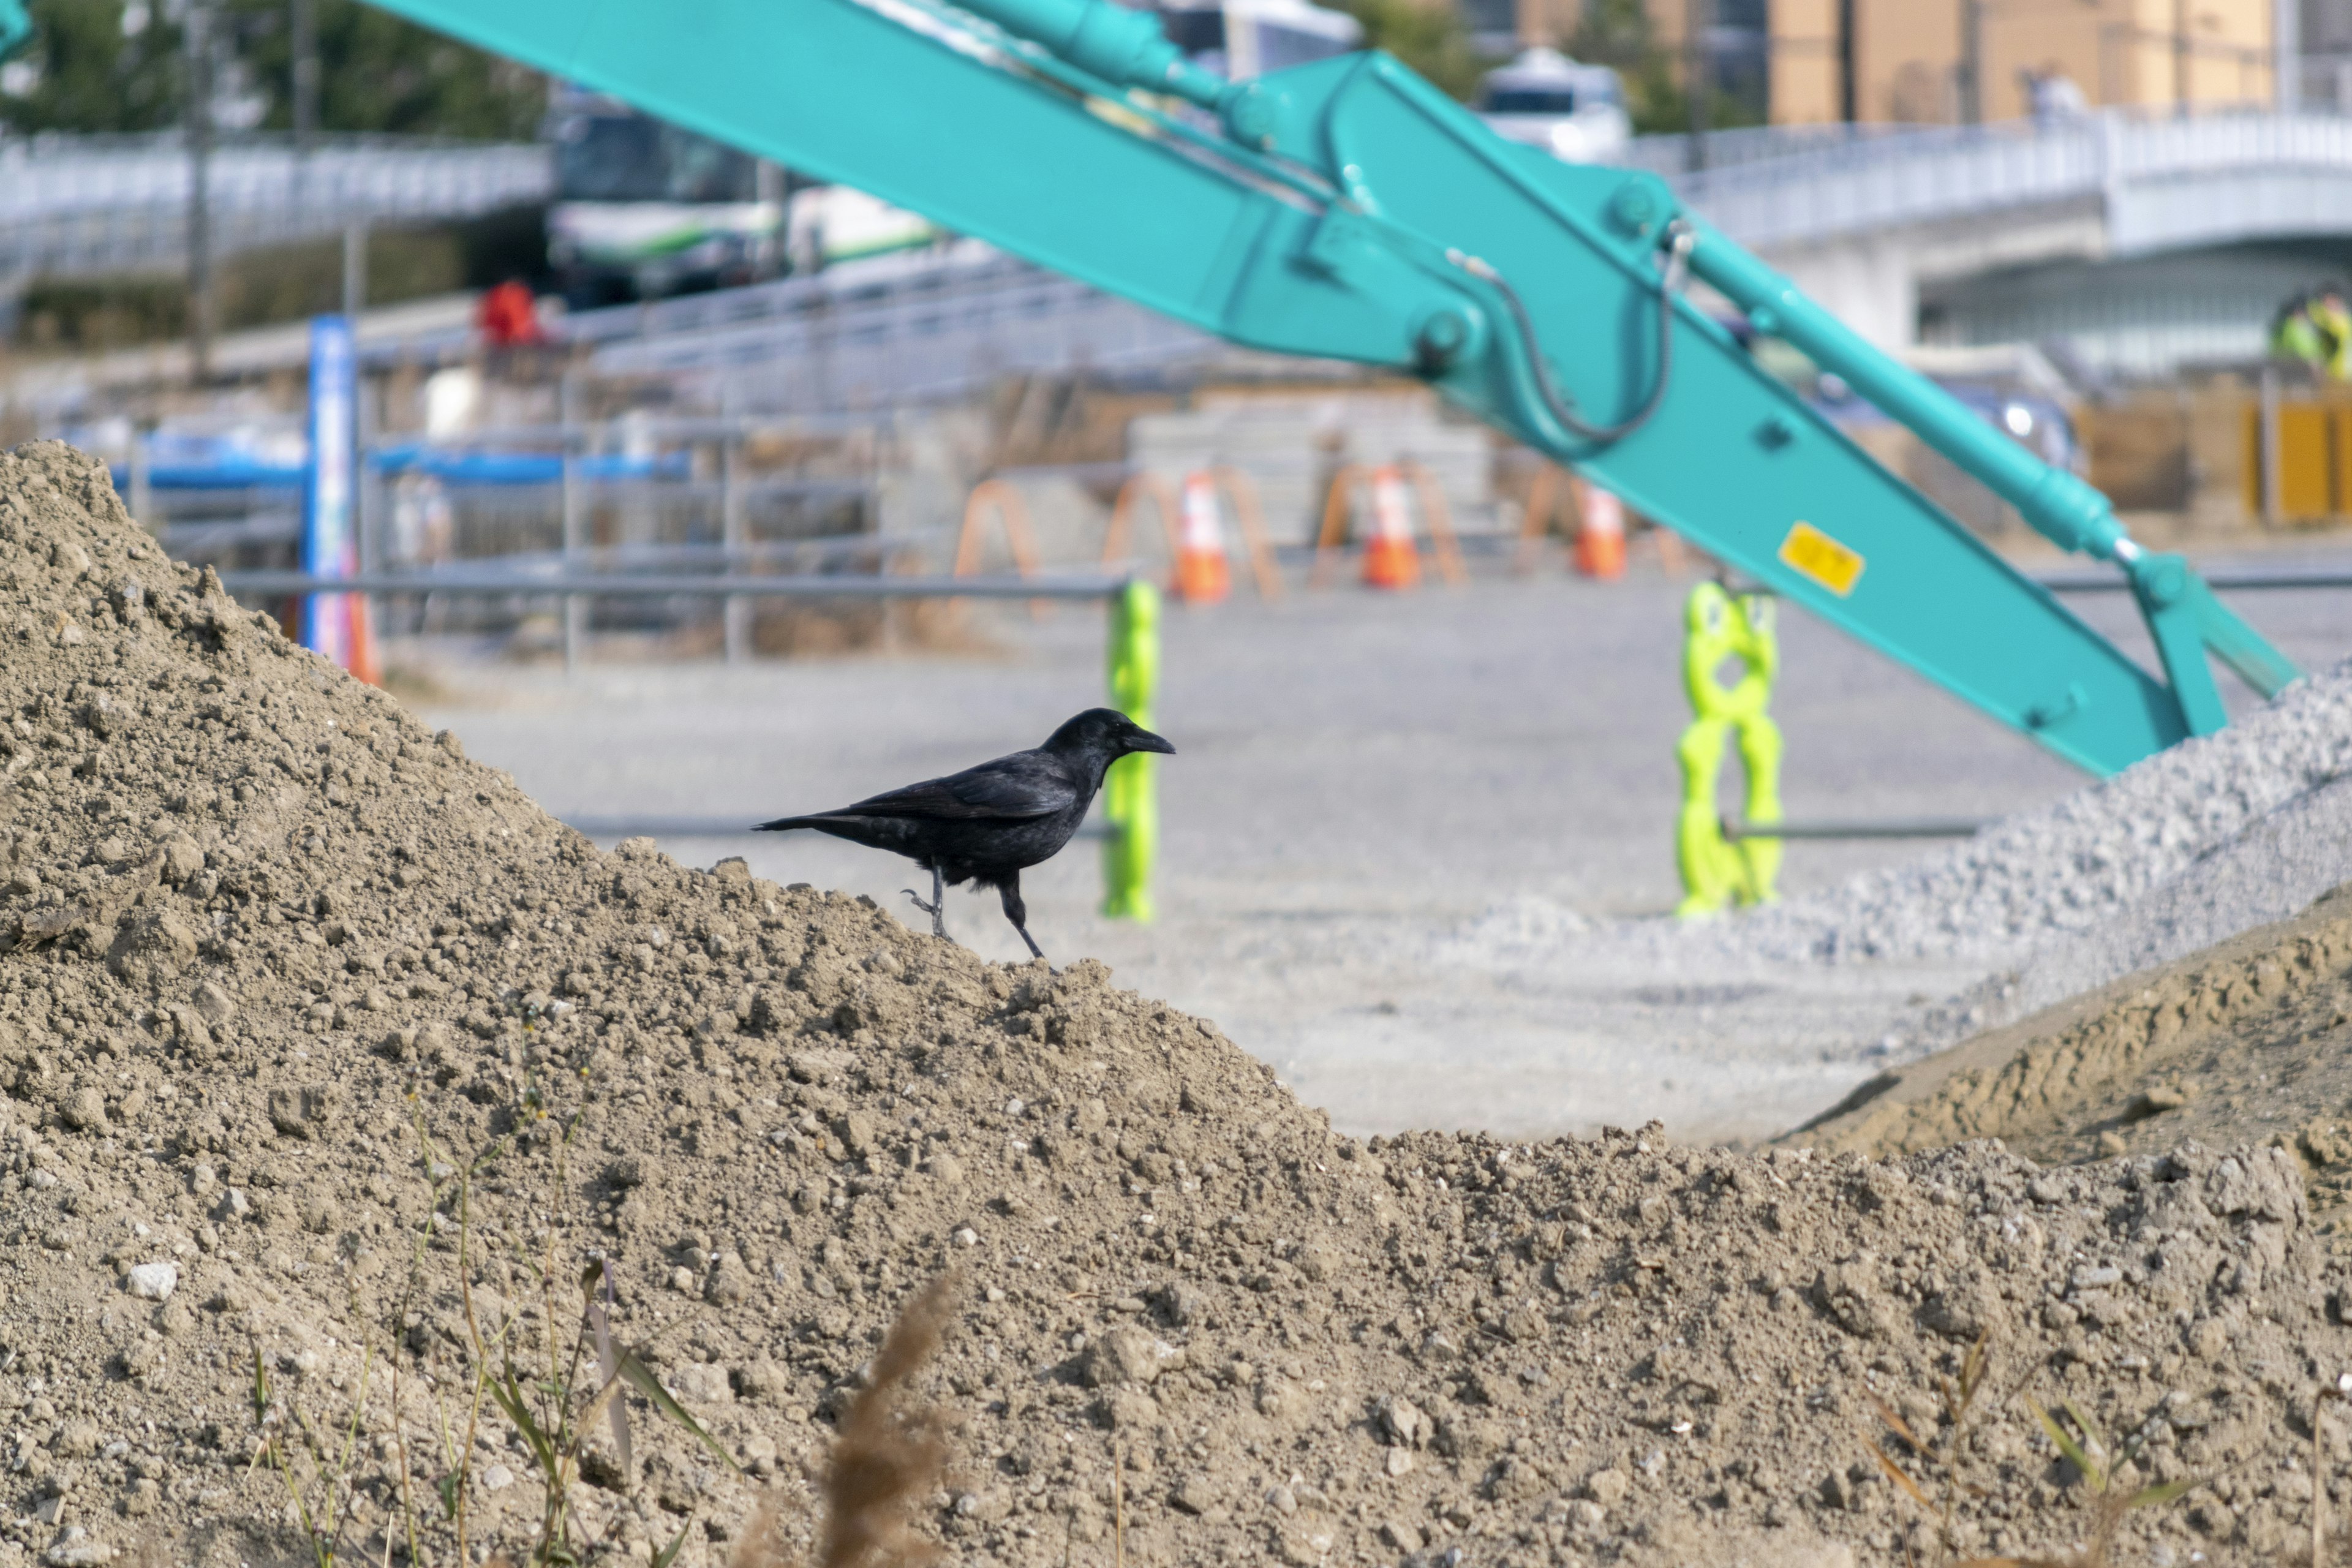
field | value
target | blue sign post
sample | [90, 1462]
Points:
[331, 623]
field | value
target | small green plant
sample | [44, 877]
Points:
[553, 1387]
[554, 1406]
[2101, 1461]
[2098, 1458]
[322, 1499]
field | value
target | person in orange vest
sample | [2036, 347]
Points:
[508, 318]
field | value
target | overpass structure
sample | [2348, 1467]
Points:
[2139, 242]
[2143, 241]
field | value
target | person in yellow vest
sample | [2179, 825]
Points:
[2315, 329]
[2334, 323]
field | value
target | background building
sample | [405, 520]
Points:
[1796, 62]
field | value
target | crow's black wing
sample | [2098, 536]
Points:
[1025, 785]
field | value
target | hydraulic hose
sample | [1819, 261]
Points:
[1680, 237]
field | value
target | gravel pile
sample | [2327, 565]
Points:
[280, 966]
[2204, 814]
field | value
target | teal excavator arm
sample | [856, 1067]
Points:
[1347, 209]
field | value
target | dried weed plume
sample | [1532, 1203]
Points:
[2100, 1460]
[889, 1453]
[763, 1543]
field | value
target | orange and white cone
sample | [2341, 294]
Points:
[1389, 561]
[363, 664]
[1600, 535]
[1203, 576]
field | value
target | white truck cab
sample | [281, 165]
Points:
[1574, 111]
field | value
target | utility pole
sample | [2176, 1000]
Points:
[303, 25]
[1697, 16]
[2286, 55]
[1849, 81]
[1972, 93]
[198, 112]
[355, 277]
[2180, 58]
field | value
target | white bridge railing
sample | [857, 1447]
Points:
[91, 204]
[2162, 181]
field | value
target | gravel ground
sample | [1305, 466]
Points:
[1417, 850]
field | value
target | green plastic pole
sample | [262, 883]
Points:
[1130, 796]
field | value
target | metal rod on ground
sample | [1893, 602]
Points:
[590, 584]
[728, 826]
[1892, 828]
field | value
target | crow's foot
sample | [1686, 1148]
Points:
[939, 919]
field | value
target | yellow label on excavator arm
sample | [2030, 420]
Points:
[1812, 553]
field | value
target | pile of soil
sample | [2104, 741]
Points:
[281, 966]
[2250, 1039]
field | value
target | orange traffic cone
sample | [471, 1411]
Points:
[1600, 537]
[1389, 561]
[364, 663]
[1203, 576]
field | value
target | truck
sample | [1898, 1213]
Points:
[644, 209]
[1543, 99]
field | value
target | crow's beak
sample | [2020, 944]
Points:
[1145, 740]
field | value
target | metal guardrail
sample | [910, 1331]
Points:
[1129, 812]
[929, 328]
[60, 174]
[1890, 828]
[265, 583]
[649, 826]
[62, 211]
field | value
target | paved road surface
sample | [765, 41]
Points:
[1382, 807]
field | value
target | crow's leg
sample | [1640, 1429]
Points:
[1008, 890]
[937, 908]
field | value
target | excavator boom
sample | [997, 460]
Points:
[1346, 209]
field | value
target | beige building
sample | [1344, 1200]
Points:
[1906, 61]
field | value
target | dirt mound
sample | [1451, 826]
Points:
[2244, 1041]
[334, 1067]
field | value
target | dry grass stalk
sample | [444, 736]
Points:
[762, 1544]
[1962, 1408]
[890, 1452]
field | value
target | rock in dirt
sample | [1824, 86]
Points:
[354, 1118]
[153, 1281]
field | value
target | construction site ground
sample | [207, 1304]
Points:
[1416, 848]
[358, 1114]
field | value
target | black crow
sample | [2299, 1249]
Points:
[987, 825]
